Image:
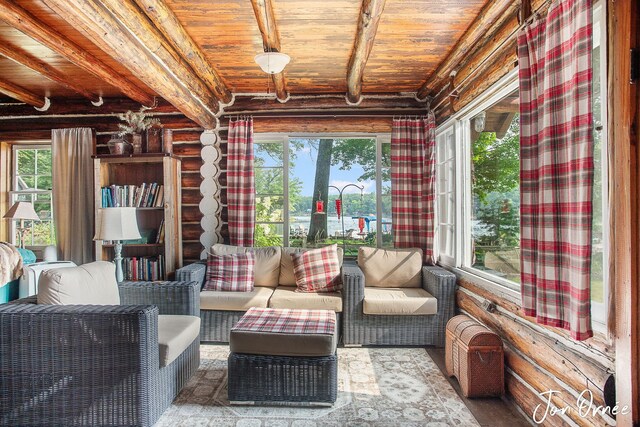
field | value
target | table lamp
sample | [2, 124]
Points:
[22, 211]
[117, 224]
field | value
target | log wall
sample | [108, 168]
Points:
[20, 124]
[540, 358]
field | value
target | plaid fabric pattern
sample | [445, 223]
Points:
[230, 272]
[556, 167]
[317, 270]
[287, 321]
[241, 197]
[413, 168]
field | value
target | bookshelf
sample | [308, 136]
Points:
[151, 184]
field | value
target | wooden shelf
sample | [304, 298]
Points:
[147, 168]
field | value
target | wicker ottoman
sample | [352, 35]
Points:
[474, 355]
[282, 356]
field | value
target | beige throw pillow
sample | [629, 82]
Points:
[391, 268]
[94, 283]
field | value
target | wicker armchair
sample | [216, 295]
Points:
[365, 329]
[90, 364]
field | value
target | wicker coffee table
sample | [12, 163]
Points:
[283, 356]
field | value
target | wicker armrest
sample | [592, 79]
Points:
[192, 273]
[352, 286]
[441, 284]
[169, 297]
[57, 361]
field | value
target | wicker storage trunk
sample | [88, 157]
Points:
[474, 355]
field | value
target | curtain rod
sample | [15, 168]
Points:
[526, 22]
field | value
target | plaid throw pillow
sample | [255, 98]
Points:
[317, 270]
[233, 272]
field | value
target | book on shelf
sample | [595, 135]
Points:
[145, 268]
[160, 235]
[146, 195]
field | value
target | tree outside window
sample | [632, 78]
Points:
[33, 182]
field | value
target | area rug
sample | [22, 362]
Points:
[376, 387]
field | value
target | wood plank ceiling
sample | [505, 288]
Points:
[411, 39]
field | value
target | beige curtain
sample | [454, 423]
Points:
[73, 203]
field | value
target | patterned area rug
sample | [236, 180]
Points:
[377, 387]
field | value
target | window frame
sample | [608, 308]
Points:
[380, 138]
[14, 193]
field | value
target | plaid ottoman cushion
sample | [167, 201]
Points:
[317, 270]
[285, 332]
[233, 272]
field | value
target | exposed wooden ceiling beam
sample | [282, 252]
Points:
[81, 108]
[263, 9]
[100, 25]
[23, 21]
[167, 22]
[492, 15]
[21, 94]
[134, 21]
[370, 13]
[23, 58]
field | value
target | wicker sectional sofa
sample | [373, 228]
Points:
[274, 288]
[366, 308]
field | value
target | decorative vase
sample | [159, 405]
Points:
[167, 141]
[136, 142]
[116, 145]
[154, 140]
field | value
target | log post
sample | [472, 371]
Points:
[103, 28]
[370, 13]
[169, 25]
[21, 20]
[23, 58]
[263, 9]
[21, 94]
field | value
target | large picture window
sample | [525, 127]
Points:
[292, 172]
[32, 182]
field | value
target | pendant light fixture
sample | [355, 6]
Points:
[272, 62]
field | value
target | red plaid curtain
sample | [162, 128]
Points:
[556, 166]
[241, 199]
[413, 168]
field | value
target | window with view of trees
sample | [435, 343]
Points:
[293, 173]
[495, 194]
[32, 182]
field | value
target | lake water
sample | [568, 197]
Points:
[334, 225]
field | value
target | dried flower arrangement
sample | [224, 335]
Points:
[136, 122]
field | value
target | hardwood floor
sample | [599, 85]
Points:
[494, 412]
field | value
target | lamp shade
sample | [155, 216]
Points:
[22, 210]
[117, 224]
[272, 62]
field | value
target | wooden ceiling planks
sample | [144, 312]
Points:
[413, 38]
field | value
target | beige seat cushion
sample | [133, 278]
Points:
[175, 334]
[399, 301]
[267, 269]
[391, 268]
[287, 297]
[286, 264]
[94, 283]
[235, 301]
